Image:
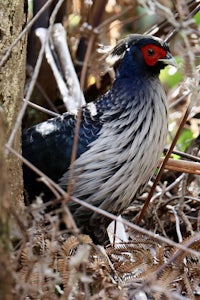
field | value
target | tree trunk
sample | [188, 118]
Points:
[12, 76]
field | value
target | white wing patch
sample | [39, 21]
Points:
[45, 128]
[92, 108]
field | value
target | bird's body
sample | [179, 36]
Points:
[121, 136]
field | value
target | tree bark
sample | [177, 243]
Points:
[12, 76]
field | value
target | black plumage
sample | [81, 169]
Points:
[121, 136]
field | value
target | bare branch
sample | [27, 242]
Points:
[182, 166]
[62, 50]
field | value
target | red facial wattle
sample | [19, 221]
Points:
[152, 54]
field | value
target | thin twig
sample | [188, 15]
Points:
[54, 14]
[86, 60]
[185, 155]
[42, 109]
[28, 26]
[177, 222]
[169, 187]
[70, 184]
[107, 21]
[25, 103]
[29, 71]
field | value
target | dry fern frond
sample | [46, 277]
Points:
[71, 244]
[36, 274]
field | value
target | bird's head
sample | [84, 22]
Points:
[140, 54]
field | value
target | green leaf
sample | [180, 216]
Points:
[185, 139]
[197, 18]
[171, 76]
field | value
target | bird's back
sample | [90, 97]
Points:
[48, 146]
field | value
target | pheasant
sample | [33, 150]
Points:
[121, 138]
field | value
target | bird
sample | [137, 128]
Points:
[121, 137]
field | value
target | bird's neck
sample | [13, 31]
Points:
[127, 94]
[137, 73]
[132, 86]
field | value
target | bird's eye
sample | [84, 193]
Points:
[151, 52]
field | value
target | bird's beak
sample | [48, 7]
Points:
[169, 60]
